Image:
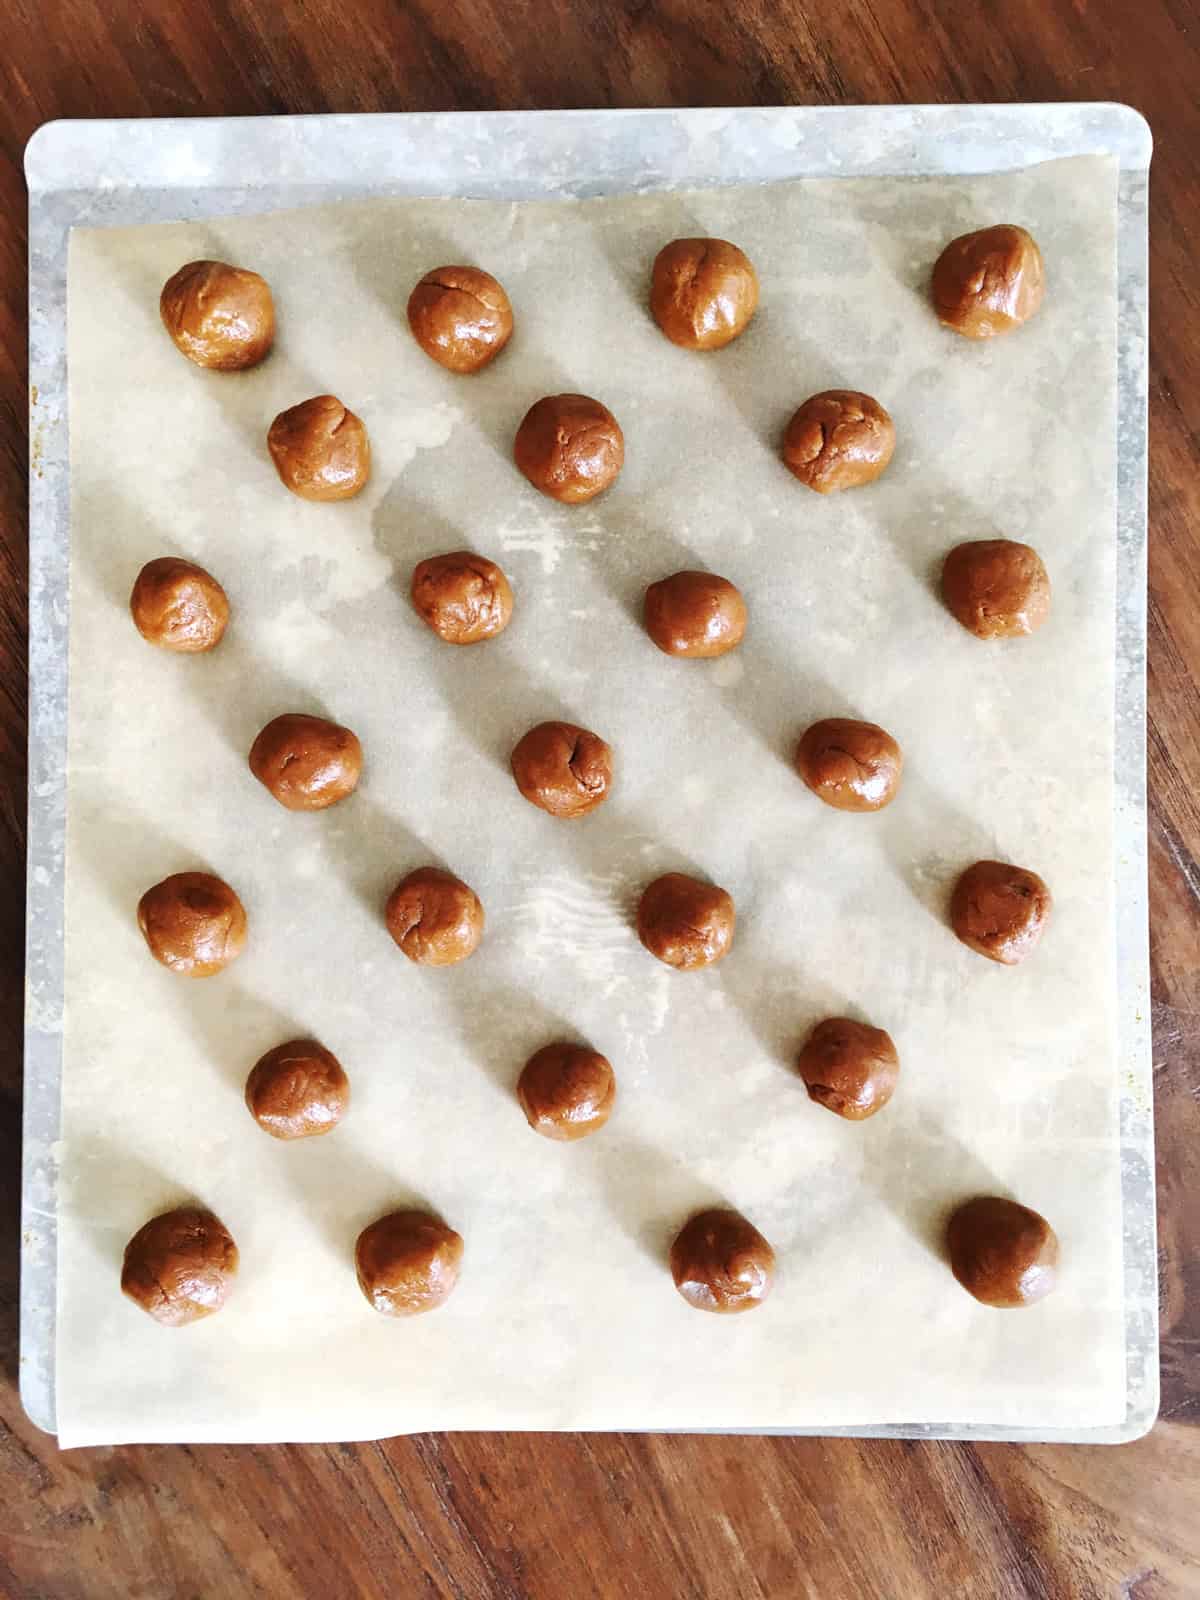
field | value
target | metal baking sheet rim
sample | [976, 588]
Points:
[123, 172]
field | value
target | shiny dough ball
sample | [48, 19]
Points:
[435, 918]
[1000, 910]
[463, 597]
[297, 1090]
[219, 316]
[686, 922]
[1002, 1253]
[849, 1067]
[838, 440]
[563, 769]
[179, 606]
[988, 282]
[703, 292]
[997, 588]
[461, 317]
[570, 447]
[407, 1263]
[852, 766]
[307, 763]
[193, 923]
[720, 1262]
[695, 614]
[566, 1091]
[320, 450]
[180, 1266]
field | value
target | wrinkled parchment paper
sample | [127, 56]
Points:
[565, 1316]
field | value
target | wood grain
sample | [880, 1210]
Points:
[509, 1517]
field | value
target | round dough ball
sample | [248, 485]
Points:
[320, 450]
[407, 1263]
[565, 770]
[838, 440]
[570, 447]
[720, 1262]
[988, 282]
[179, 1267]
[463, 597]
[849, 1067]
[703, 292]
[1000, 910]
[193, 923]
[695, 614]
[435, 918]
[686, 922]
[566, 1091]
[178, 606]
[219, 316]
[297, 1090]
[852, 766]
[997, 588]
[307, 763]
[1004, 1254]
[461, 317]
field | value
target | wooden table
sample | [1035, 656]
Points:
[563, 1517]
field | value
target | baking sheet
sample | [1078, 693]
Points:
[564, 1317]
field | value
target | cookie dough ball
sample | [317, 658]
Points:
[407, 1263]
[838, 440]
[219, 316]
[566, 1091]
[297, 1090]
[193, 923]
[570, 447]
[852, 766]
[180, 1266]
[686, 922]
[695, 614]
[988, 282]
[997, 588]
[463, 597]
[306, 762]
[1000, 910]
[320, 450]
[1004, 1254]
[565, 770]
[435, 918]
[703, 292]
[720, 1262]
[849, 1067]
[178, 606]
[461, 317]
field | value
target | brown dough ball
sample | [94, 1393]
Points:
[306, 762]
[849, 1067]
[1000, 910]
[461, 317]
[193, 923]
[703, 292]
[852, 766]
[320, 450]
[695, 614]
[720, 1262]
[570, 447]
[988, 282]
[435, 918]
[838, 440]
[996, 588]
[1004, 1254]
[565, 770]
[219, 316]
[686, 922]
[297, 1090]
[463, 597]
[179, 1267]
[566, 1091]
[178, 606]
[407, 1263]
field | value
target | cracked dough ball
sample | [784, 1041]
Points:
[563, 769]
[407, 1263]
[463, 597]
[720, 1262]
[297, 1090]
[179, 1267]
[461, 317]
[566, 1091]
[435, 918]
[849, 1067]
[307, 763]
[1000, 910]
[179, 606]
[997, 588]
[193, 923]
[219, 316]
[570, 447]
[320, 450]
[852, 766]
[1002, 1253]
[838, 440]
[695, 614]
[686, 922]
[988, 282]
[703, 292]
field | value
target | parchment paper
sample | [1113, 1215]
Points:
[565, 1316]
